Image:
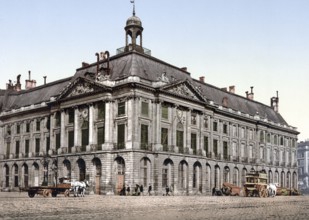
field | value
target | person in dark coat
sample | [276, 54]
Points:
[141, 189]
[213, 191]
[128, 190]
[149, 189]
[167, 190]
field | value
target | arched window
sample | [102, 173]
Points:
[145, 173]
[168, 173]
[183, 174]
[197, 176]
[208, 177]
[82, 169]
[226, 174]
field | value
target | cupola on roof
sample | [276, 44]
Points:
[134, 20]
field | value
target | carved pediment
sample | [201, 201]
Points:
[80, 87]
[185, 89]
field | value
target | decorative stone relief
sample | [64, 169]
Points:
[184, 91]
[80, 89]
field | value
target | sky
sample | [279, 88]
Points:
[259, 43]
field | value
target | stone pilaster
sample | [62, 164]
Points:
[108, 144]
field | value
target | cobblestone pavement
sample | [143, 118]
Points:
[20, 206]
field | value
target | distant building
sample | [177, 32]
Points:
[134, 119]
[303, 163]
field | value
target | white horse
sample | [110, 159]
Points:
[272, 189]
[79, 187]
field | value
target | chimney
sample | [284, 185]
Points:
[274, 103]
[224, 89]
[247, 94]
[184, 68]
[232, 89]
[84, 64]
[30, 83]
[251, 94]
[44, 79]
[18, 84]
[202, 79]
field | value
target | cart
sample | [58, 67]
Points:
[256, 184]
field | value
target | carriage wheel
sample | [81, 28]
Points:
[67, 193]
[31, 194]
[263, 192]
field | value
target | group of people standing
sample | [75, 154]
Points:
[138, 190]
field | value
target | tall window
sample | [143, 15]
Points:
[262, 136]
[193, 142]
[234, 131]
[225, 128]
[215, 126]
[179, 141]
[145, 108]
[164, 113]
[144, 137]
[206, 144]
[27, 148]
[164, 138]
[121, 108]
[193, 119]
[17, 149]
[18, 129]
[268, 138]
[38, 125]
[37, 146]
[57, 141]
[85, 135]
[101, 137]
[101, 110]
[206, 122]
[28, 127]
[57, 119]
[71, 115]
[8, 149]
[70, 140]
[8, 130]
[215, 147]
[121, 136]
[225, 150]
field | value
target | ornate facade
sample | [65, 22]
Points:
[134, 119]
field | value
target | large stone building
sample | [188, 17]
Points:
[303, 164]
[134, 119]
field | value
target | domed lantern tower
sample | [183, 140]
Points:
[134, 30]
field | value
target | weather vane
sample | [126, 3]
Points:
[133, 2]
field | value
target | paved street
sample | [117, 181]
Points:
[20, 206]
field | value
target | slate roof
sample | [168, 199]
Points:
[146, 67]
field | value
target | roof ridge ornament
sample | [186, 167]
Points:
[133, 2]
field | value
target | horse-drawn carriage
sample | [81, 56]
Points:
[63, 187]
[256, 184]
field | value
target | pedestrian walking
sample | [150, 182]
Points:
[128, 190]
[167, 190]
[141, 189]
[213, 191]
[149, 189]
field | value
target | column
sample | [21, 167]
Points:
[187, 132]
[157, 125]
[108, 144]
[91, 120]
[63, 145]
[51, 135]
[77, 131]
